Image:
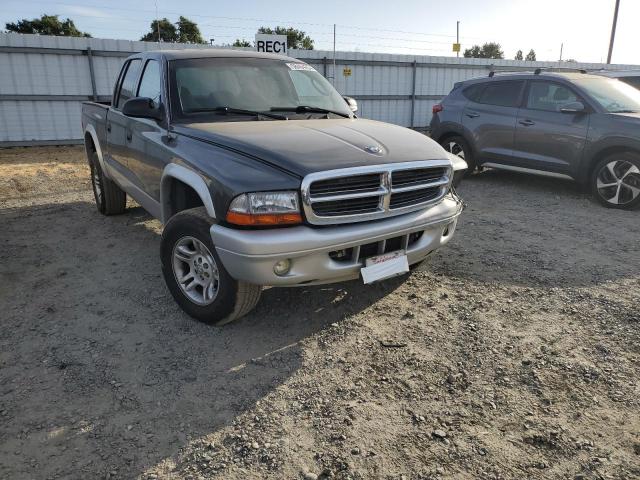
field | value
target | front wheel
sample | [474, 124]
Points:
[459, 147]
[195, 275]
[615, 181]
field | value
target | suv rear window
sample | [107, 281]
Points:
[503, 94]
[474, 91]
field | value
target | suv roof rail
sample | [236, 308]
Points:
[540, 70]
[493, 72]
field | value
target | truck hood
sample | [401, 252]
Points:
[305, 146]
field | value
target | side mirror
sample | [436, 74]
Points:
[143, 107]
[573, 107]
[353, 105]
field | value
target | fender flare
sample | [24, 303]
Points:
[94, 136]
[188, 177]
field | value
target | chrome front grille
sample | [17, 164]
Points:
[366, 193]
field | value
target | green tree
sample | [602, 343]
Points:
[242, 43]
[488, 50]
[531, 56]
[518, 55]
[188, 31]
[165, 29]
[47, 25]
[295, 38]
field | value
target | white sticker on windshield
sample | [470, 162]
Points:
[300, 66]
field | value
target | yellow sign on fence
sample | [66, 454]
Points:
[456, 47]
[346, 71]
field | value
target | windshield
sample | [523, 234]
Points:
[202, 85]
[613, 95]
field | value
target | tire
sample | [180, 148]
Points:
[209, 294]
[615, 181]
[110, 198]
[460, 147]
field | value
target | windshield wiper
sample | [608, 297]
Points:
[307, 108]
[238, 111]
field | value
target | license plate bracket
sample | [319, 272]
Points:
[382, 267]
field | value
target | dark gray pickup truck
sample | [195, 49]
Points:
[262, 175]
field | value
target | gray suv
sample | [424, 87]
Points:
[575, 125]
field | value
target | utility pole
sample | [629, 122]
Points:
[334, 53]
[561, 45]
[458, 36]
[157, 21]
[613, 30]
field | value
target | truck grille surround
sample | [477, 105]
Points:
[360, 194]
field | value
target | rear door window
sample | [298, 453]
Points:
[129, 82]
[474, 91]
[502, 94]
[549, 96]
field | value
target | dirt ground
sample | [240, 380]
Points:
[513, 354]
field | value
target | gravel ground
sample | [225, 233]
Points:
[514, 353]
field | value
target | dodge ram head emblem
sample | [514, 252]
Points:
[376, 150]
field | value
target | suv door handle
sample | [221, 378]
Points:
[472, 114]
[108, 126]
[129, 135]
[527, 123]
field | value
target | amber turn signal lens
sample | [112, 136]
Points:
[264, 218]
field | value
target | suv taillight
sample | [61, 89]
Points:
[436, 108]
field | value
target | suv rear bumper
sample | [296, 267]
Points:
[250, 255]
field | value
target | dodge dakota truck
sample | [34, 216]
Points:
[262, 175]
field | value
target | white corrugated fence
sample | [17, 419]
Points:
[44, 79]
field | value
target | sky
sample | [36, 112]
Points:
[412, 27]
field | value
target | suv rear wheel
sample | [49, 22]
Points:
[459, 147]
[615, 180]
[195, 275]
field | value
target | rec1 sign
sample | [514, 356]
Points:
[271, 43]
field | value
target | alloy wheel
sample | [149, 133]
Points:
[455, 148]
[195, 270]
[618, 182]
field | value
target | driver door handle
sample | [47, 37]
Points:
[527, 123]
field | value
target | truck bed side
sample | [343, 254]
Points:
[94, 117]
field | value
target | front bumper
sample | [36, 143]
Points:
[249, 255]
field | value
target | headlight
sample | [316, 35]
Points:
[265, 208]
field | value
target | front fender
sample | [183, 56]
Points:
[188, 177]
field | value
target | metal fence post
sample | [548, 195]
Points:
[413, 92]
[92, 75]
[324, 66]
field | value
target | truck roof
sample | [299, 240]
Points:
[212, 53]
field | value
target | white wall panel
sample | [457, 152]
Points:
[29, 72]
